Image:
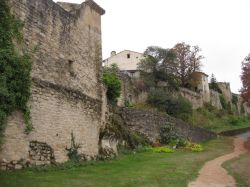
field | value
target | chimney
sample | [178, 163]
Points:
[113, 53]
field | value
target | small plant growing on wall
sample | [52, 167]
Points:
[73, 150]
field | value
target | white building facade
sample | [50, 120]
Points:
[126, 60]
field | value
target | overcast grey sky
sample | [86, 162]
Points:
[221, 28]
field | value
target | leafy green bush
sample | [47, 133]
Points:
[170, 136]
[178, 107]
[159, 149]
[112, 82]
[235, 99]
[195, 147]
[128, 104]
[15, 69]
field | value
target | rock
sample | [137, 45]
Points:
[14, 162]
[39, 163]
[3, 161]
[18, 166]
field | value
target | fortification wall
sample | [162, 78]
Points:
[195, 98]
[215, 99]
[67, 95]
[149, 124]
[226, 91]
[129, 92]
[68, 46]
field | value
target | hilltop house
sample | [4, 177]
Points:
[126, 60]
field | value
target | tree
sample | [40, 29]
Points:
[187, 60]
[112, 82]
[158, 65]
[213, 84]
[245, 78]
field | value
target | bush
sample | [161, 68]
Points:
[223, 102]
[178, 107]
[170, 136]
[195, 147]
[112, 82]
[159, 149]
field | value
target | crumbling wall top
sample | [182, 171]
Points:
[71, 7]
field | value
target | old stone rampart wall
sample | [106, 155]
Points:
[67, 94]
[195, 98]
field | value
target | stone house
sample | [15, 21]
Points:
[126, 60]
[199, 82]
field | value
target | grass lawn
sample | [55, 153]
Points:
[218, 121]
[239, 168]
[140, 169]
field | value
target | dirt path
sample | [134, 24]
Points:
[213, 174]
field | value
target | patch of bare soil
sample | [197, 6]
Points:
[213, 174]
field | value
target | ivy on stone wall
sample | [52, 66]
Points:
[15, 69]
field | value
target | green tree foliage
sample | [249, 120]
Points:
[112, 81]
[235, 99]
[213, 84]
[172, 66]
[158, 66]
[176, 106]
[245, 78]
[14, 68]
[187, 61]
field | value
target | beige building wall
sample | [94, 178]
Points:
[126, 60]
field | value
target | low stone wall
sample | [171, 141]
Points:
[149, 124]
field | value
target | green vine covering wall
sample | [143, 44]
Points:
[15, 69]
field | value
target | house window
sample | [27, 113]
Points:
[128, 55]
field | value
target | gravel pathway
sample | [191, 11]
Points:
[213, 174]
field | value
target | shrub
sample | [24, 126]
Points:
[223, 102]
[159, 149]
[233, 120]
[195, 147]
[178, 107]
[169, 135]
[112, 82]
[235, 99]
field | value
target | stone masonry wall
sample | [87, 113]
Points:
[149, 124]
[67, 93]
[226, 91]
[195, 98]
[67, 46]
[215, 99]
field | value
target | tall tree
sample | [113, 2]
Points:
[188, 60]
[158, 65]
[245, 78]
[213, 84]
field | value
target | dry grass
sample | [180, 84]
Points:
[239, 168]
